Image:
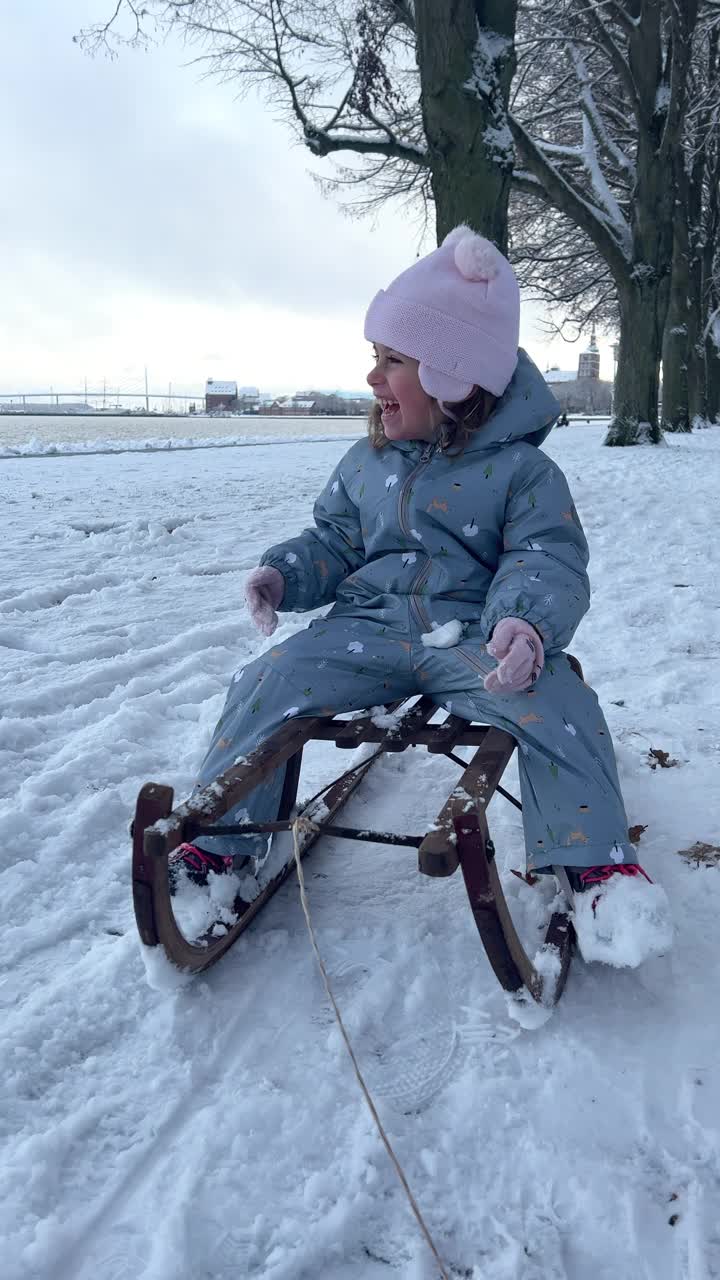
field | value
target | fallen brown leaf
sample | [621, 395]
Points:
[662, 758]
[702, 854]
[526, 876]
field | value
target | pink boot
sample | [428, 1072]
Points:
[620, 917]
[195, 865]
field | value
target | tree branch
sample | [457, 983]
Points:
[566, 198]
[590, 110]
[615, 54]
[524, 181]
[322, 144]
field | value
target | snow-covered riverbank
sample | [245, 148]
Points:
[48, 436]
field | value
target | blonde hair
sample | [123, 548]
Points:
[464, 419]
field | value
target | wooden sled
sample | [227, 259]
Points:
[459, 837]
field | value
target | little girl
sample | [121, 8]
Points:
[449, 512]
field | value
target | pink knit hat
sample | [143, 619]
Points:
[457, 311]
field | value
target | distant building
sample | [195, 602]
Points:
[315, 404]
[589, 362]
[220, 395]
[290, 406]
[582, 392]
[248, 399]
[338, 404]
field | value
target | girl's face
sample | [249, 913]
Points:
[408, 413]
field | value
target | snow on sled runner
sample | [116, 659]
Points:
[459, 838]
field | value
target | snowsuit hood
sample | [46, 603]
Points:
[527, 410]
[409, 532]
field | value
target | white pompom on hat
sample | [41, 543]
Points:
[456, 311]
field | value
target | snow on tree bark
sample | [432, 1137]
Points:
[697, 174]
[466, 60]
[598, 136]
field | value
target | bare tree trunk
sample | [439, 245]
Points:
[696, 359]
[710, 301]
[685, 402]
[635, 404]
[706, 219]
[675, 362]
[712, 362]
[711, 315]
[676, 338]
[466, 60]
[644, 290]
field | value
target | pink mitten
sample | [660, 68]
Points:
[264, 590]
[520, 654]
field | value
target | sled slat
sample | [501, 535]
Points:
[401, 738]
[352, 733]
[446, 735]
[471, 736]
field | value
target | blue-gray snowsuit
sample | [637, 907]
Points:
[407, 538]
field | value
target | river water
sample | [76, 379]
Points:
[33, 434]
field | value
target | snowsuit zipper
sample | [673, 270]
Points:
[421, 578]
[406, 487]
[403, 504]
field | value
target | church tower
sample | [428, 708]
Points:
[589, 362]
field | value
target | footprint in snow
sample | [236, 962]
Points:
[120, 1259]
[409, 1070]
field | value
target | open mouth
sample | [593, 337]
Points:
[389, 408]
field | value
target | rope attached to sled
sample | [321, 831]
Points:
[304, 824]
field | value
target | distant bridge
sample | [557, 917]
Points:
[23, 398]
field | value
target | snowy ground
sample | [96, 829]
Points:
[217, 1131]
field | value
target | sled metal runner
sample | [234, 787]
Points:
[458, 838]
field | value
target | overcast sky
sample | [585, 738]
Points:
[150, 218]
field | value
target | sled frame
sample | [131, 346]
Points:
[459, 837]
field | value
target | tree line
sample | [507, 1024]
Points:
[580, 135]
